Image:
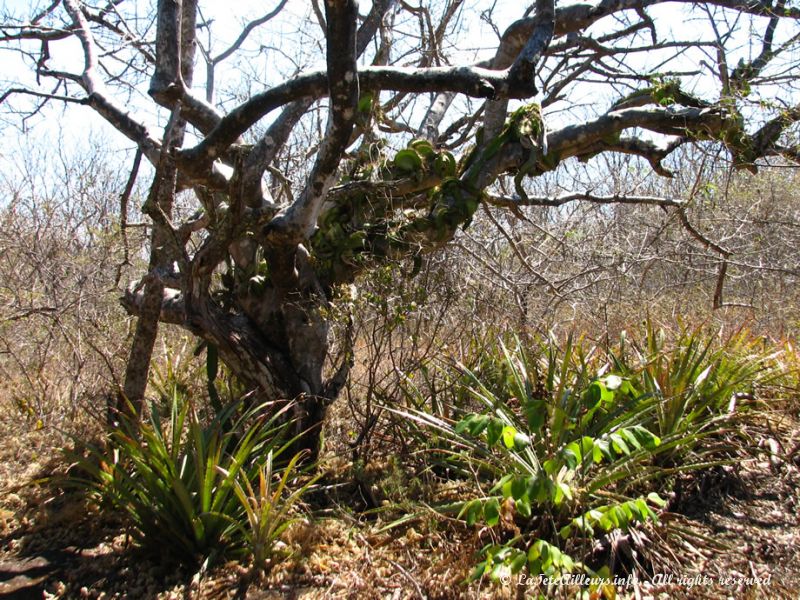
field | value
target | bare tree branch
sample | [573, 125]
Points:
[300, 218]
[507, 202]
[473, 81]
[213, 62]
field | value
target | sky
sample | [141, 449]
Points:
[293, 44]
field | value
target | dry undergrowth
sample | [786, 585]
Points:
[743, 523]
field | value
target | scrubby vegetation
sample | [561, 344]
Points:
[580, 444]
[187, 487]
[477, 444]
[430, 299]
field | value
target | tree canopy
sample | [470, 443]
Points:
[304, 178]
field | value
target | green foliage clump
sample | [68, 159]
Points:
[187, 487]
[666, 92]
[697, 381]
[565, 441]
[568, 445]
[267, 508]
[526, 121]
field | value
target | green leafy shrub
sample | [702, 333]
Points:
[571, 444]
[554, 453]
[182, 483]
[696, 380]
[267, 508]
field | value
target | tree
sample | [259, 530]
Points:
[408, 153]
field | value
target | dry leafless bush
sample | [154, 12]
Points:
[63, 335]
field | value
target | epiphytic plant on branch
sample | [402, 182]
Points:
[418, 136]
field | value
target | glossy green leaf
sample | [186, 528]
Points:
[491, 512]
